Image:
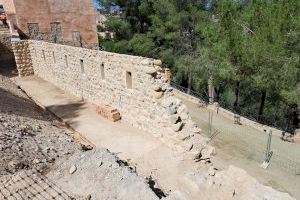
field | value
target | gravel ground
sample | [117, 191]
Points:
[29, 137]
[100, 175]
[37, 153]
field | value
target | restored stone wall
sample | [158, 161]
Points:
[136, 86]
[23, 58]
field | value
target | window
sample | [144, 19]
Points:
[56, 32]
[66, 60]
[33, 30]
[129, 80]
[81, 66]
[77, 39]
[102, 71]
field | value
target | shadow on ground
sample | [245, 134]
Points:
[13, 104]
[7, 62]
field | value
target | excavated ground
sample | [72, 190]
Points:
[37, 154]
[41, 160]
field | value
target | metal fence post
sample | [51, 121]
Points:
[269, 153]
[210, 115]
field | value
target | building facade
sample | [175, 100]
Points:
[70, 22]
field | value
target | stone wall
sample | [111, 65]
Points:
[23, 58]
[136, 86]
[6, 52]
[7, 59]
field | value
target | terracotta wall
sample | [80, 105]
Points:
[73, 16]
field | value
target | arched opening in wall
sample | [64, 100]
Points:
[102, 71]
[129, 80]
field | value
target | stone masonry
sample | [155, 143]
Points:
[5, 45]
[136, 86]
[23, 58]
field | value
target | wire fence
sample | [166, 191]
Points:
[201, 97]
[246, 142]
[253, 145]
[204, 98]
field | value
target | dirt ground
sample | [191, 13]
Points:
[244, 146]
[40, 159]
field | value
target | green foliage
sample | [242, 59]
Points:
[142, 45]
[251, 48]
[121, 28]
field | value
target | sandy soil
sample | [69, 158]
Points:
[244, 146]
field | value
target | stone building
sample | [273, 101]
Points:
[71, 22]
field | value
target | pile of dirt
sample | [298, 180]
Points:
[29, 138]
[100, 175]
[34, 145]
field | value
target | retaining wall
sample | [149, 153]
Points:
[6, 52]
[136, 86]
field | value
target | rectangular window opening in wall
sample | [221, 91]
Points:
[54, 59]
[44, 54]
[102, 71]
[66, 60]
[129, 80]
[33, 30]
[81, 66]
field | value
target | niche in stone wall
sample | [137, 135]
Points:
[81, 66]
[102, 71]
[66, 60]
[44, 54]
[53, 55]
[129, 80]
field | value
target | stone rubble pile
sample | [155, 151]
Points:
[235, 183]
[100, 175]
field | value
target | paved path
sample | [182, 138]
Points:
[244, 147]
[148, 153]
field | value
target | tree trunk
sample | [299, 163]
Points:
[218, 92]
[211, 89]
[237, 95]
[262, 105]
[189, 83]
